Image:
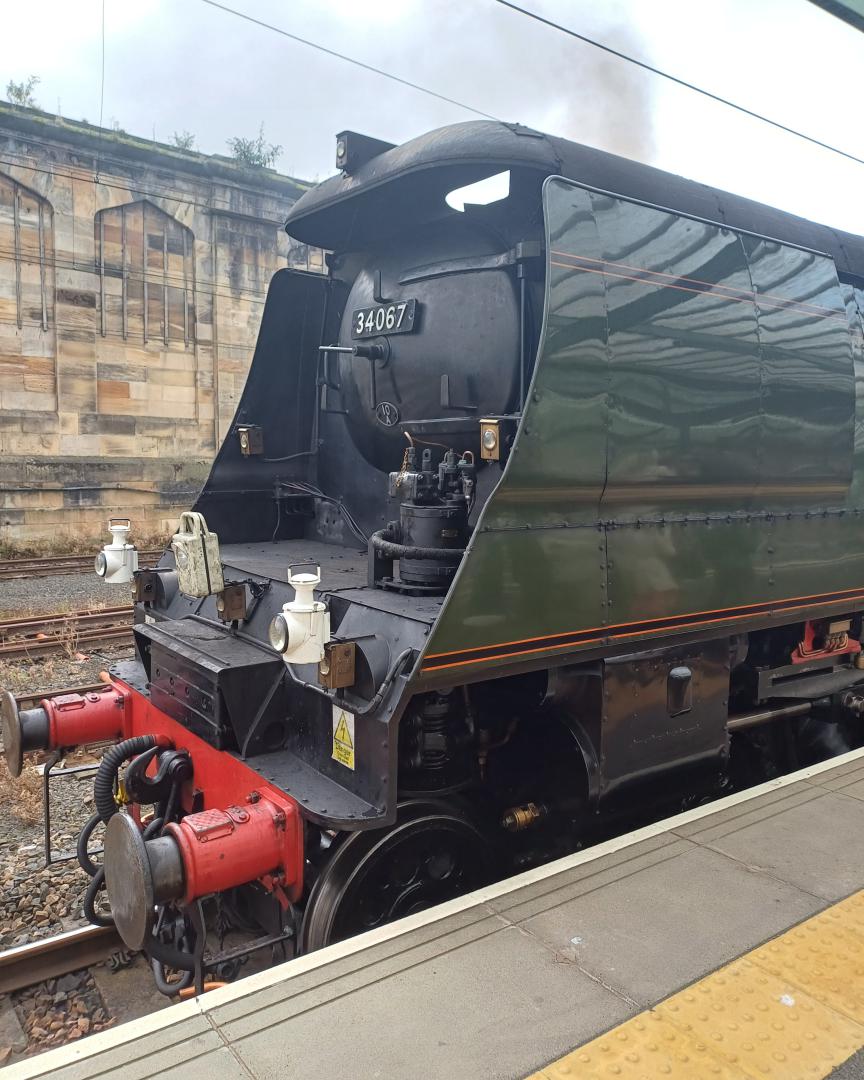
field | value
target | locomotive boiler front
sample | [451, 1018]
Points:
[432, 329]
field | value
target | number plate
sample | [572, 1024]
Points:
[383, 319]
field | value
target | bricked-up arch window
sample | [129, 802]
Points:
[146, 265]
[26, 257]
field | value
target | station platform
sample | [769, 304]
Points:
[725, 942]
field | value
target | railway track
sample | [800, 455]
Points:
[42, 634]
[51, 957]
[50, 565]
[29, 701]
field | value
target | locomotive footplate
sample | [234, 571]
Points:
[219, 686]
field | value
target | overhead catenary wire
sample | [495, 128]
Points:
[125, 186]
[180, 197]
[675, 79]
[101, 102]
[348, 59]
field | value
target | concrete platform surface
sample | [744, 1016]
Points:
[506, 980]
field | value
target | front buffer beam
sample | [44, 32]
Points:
[204, 853]
[234, 826]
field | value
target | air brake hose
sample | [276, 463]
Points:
[97, 880]
[385, 543]
[89, 905]
[106, 776]
[84, 860]
[169, 989]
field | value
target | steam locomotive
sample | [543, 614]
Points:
[539, 513]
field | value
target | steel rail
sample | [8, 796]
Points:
[38, 635]
[35, 624]
[28, 701]
[33, 647]
[51, 565]
[742, 721]
[51, 957]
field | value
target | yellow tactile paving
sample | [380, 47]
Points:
[646, 1046]
[825, 957]
[792, 1009]
[763, 1025]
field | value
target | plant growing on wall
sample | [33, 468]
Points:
[184, 140]
[21, 93]
[255, 152]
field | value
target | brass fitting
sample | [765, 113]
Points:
[518, 818]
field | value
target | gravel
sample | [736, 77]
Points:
[38, 901]
[61, 1010]
[35, 900]
[62, 593]
[57, 671]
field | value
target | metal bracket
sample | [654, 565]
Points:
[47, 775]
[251, 439]
[446, 402]
[231, 603]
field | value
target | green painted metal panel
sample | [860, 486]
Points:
[688, 442]
[670, 569]
[521, 584]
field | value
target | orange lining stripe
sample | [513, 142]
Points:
[503, 656]
[589, 641]
[699, 281]
[662, 618]
[699, 292]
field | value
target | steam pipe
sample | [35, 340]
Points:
[387, 547]
[522, 372]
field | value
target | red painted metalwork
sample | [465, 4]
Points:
[75, 719]
[258, 836]
[840, 644]
[220, 778]
[225, 848]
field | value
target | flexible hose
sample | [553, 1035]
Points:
[154, 828]
[93, 916]
[106, 776]
[385, 544]
[82, 849]
[97, 874]
[169, 989]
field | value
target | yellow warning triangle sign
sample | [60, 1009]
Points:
[342, 734]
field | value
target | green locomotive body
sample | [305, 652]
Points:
[686, 459]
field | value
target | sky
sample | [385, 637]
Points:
[182, 65]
